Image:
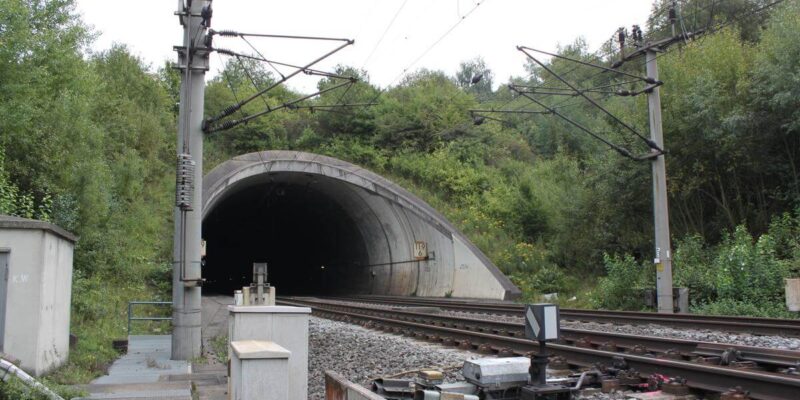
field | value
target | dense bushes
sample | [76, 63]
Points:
[87, 143]
[742, 275]
[538, 196]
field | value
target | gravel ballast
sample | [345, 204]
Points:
[361, 354]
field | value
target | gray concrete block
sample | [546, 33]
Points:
[286, 327]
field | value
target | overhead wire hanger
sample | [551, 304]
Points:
[211, 123]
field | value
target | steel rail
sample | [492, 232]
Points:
[752, 325]
[762, 385]
[682, 348]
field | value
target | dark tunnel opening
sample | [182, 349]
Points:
[290, 221]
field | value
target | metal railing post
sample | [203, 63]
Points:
[152, 303]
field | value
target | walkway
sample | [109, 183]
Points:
[146, 371]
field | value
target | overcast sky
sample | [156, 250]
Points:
[492, 29]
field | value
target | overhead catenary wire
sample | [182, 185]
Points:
[664, 48]
[663, 44]
[670, 41]
[611, 115]
[437, 41]
[594, 89]
[230, 84]
[270, 63]
[232, 123]
[597, 54]
[231, 109]
[383, 35]
[574, 91]
[307, 71]
[683, 36]
[252, 80]
[619, 149]
[524, 49]
[429, 48]
[274, 36]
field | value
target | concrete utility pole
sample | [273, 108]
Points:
[195, 17]
[663, 256]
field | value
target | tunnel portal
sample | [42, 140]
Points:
[328, 227]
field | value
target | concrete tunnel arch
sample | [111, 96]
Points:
[327, 226]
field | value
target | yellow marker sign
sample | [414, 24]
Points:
[420, 250]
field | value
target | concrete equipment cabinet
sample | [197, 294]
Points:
[284, 326]
[35, 292]
[259, 370]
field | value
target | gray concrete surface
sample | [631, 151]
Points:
[283, 325]
[144, 373]
[387, 220]
[147, 360]
[37, 289]
[259, 370]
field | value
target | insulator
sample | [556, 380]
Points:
[223, 51]
[624, 152]
[184, 181]
[231, 109]
[227, 33]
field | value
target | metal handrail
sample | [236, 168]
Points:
[152, 303]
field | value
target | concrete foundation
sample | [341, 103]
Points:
[285, 326]
[35, 292]
[328, 226]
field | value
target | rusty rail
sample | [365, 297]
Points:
[753, 325]
[762, 385]
[680, 348]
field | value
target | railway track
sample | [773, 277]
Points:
[756, 326]
[766, 373]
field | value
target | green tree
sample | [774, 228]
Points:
[469, 70]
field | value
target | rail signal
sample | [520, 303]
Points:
[541, 322]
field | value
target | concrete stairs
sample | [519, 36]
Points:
[210, 382]
[139, 391]
[146, 372]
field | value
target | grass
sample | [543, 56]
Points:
[99, 316]
[14, 389]
[219, 345]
